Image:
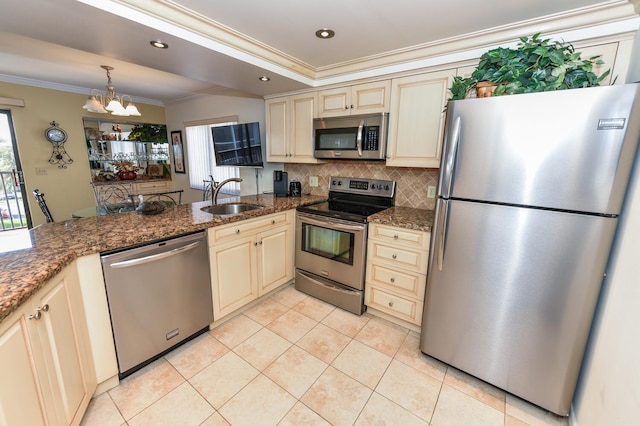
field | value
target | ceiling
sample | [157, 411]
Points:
[222, 47]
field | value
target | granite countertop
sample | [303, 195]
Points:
[55, 245]
[405, 217]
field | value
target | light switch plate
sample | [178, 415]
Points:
[313, 180]
[431, 191]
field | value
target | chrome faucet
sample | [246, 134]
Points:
[217, 187]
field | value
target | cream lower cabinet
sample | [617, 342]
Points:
[290, 128]
[45, 360]
[396, 273]
[416, 119]
[249, 259]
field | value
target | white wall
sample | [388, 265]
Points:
[609, 389]
[212, 106]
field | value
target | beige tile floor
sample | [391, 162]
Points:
[294, 360]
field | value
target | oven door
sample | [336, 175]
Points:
[331, 248]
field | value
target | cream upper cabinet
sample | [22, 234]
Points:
[359, 99]
[290, 128]
[45, 358]
[416, 119]
[249, 259]
[607, 53]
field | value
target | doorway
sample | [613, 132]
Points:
[14, 211]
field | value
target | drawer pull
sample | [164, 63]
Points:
[395, 237]
[394, 256]
[393, 280]
[273, 222]
[391, 304]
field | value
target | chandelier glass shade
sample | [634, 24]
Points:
[102, 102]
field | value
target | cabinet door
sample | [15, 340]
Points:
[608, 53]
[277, 130]
[233, 275]
[275, 253]
[334, 102]
[416, 120]
[301, 127]
[21, 399]
[370, 98]
[63, 347]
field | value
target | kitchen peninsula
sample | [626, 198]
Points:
[57, 244]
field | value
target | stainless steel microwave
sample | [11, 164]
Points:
[354, 137]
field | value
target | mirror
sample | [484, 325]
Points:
[144, 145]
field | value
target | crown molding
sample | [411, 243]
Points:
[66, 88]
[174, 19]
[603, 19]
[616, 17]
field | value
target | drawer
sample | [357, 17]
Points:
[400, 236]
[407, 283]
[152, 187]
[225, 233]
[402, 258]
[409, 310]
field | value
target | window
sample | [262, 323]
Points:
[201, 157]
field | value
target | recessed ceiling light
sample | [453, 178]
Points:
[264, 78]
[325, 33]
[159, 44]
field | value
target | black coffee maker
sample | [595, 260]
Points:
[280, 183]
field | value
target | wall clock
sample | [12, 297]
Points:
[57, 137]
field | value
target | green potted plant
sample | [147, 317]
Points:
[536, 65]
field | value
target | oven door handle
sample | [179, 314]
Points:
[336, 225]
[359, 137]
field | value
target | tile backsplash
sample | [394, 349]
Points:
[411, 183]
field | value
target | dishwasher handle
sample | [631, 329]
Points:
[154, 257]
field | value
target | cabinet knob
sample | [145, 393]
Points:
[394, 256]
[255, 244]
[346, 107]
[44, 308]
[395, 237]
[351, 106]
[36, 316]
[260, 242]
[393, 280]
[237, 231]
[273, 222]
[391, 304]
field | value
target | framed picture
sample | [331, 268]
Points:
[178, 151]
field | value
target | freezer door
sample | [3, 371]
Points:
[568, 150]
[513, 297]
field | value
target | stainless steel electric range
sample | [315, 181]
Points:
[331, 240]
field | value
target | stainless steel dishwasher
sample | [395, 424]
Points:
[159, 297]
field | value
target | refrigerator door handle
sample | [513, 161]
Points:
[450, 158]
[441, 232]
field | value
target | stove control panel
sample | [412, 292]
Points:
[363, 186]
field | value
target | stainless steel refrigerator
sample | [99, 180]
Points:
[529, 195]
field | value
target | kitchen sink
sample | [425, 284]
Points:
[231, 208]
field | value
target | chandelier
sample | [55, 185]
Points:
[104, 102]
